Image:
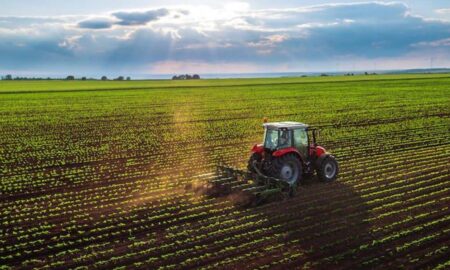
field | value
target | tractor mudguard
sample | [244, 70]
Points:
[320, 151]
[285, 151]
[258, 148]
[321, 158]
[289, 150]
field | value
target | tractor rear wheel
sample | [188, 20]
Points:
[328, 169]
[287, 168]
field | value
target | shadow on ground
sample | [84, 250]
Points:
[323, 220]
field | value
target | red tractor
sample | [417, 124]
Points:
[288, 154]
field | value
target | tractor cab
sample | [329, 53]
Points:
[283, 135]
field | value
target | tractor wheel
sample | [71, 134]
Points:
[328, 169]
[289, 169]
[254, 157]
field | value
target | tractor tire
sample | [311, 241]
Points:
[254, 157]
[287, 168]
[328, 169]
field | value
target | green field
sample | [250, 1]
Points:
[93, 174]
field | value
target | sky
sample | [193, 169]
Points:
[135, 37]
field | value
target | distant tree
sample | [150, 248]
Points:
[83, 78]
[186, 77]
[70, 78]
[120, 78]
[8, 77]
[104, 78]
[128, 78]
[365, 73]
[323, 74]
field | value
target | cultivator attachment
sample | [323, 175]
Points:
[245, 187]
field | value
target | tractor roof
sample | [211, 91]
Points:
[287, 125]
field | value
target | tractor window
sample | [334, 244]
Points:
[271, 140]
[285, 139]
[301, 141]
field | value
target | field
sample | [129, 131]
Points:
[93, 174]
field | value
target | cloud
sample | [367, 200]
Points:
[268, 43]
[437, 43]
[20, 22]
[443, 11]
[298, 38]
[139, 18]
[180, 67]
[142, 47]
[237, 6]
[125, 18]
[96, 23]
[328, 14]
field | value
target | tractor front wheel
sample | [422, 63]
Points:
[254, 157]
[328, 169]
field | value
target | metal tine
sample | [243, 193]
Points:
[255, 189]
[221, 180]
[268, 192]
[237, 185]
[242, 186]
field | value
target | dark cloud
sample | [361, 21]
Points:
[124, 18]
[142, 47]
[96, 24]
[139, 18]
[37, 52]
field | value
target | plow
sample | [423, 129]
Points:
[288, 155]
[248, 188]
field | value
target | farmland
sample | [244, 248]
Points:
[93, 174]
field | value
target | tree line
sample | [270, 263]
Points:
[9, 77]
[186, 77]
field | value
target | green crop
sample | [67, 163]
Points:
[93, 174]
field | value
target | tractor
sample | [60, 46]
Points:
[289, 154]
